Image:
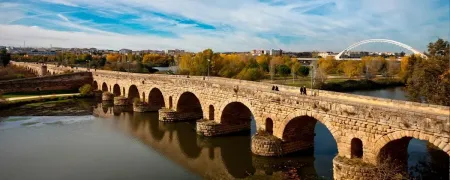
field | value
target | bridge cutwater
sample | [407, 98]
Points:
[363, 127]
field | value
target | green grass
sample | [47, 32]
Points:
[48, 102]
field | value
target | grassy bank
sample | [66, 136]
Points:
[38, 93]
[37, 100]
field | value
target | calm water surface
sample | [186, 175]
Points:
[105, 142]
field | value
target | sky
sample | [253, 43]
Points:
[223, 25]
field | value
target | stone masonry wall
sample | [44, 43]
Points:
[57, 82]
[346, 171]
[211, 128]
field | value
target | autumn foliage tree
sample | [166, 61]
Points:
[429, 79]
[351, 68]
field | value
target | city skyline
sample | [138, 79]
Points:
[322, 25]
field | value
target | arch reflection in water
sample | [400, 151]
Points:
[228, 157]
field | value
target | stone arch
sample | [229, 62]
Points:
[245, 102]
[156, 99]
[356, 148]
[189, 106]
[280, 128]
[211, 112]
[269, 125]
[116, 90]
[402, 138]
[104, 87]
[133, 92]
[237, 114]
[297, 131]
[95, 85]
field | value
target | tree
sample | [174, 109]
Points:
[263, 62]
[328, 64]
[294, 70]
[352, 68]
[320, 77]
[429, 79]
[5, 57]
[112, 58]
[393, 67]
[303, 71]
[438, 48]
[251, 74]
[284, 70]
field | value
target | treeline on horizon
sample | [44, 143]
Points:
[425, 78]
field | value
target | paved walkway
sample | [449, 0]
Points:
[42, 96]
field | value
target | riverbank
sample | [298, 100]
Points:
[51, 106]
[19, 101]
[355, 85]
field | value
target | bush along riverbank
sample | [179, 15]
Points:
[354, 85]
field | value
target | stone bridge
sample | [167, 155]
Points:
[365, 128]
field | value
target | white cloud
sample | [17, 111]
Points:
[247, 24]
[63, 2]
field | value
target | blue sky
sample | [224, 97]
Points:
[223, 25]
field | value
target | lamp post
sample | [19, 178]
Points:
[313, 74]
[209, 60]
[128, 65]
[88, 63]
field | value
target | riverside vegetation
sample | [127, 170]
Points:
[425, 79]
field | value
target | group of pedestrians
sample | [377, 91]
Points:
[275, 88]
[303, 90]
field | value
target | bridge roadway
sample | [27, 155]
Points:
[363, 127]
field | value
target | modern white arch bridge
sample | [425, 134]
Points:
[388, 41]
[363, 127]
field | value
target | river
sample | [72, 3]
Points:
[87, 140]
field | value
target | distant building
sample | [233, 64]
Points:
[326, 54]
[41, 53]
[125, 51]
[258, 52]
[174, 51]
[274, 52]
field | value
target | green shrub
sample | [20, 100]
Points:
[86, 90]
[18, 76]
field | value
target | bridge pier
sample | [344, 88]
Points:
[212, 128]
[98, 93]
[121, 101]
[264, 144]
[170, 115]
[107, 96]
[141, 107]
[349, 169]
